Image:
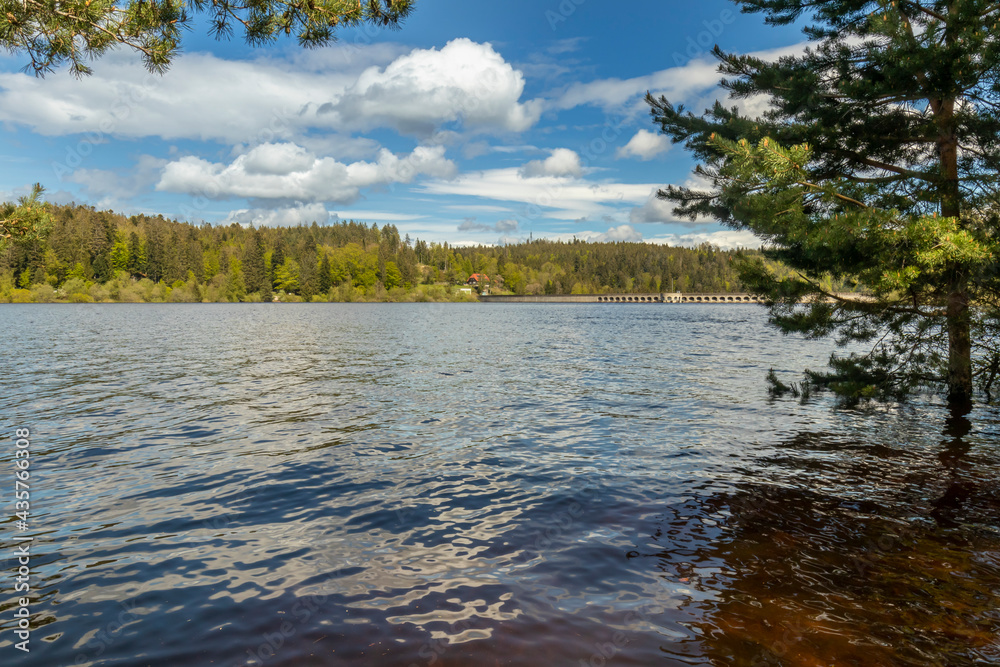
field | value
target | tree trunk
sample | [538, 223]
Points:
[958, 315]
[959, 346]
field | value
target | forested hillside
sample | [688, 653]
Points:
[89, 255]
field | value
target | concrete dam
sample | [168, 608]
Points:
[664, 297]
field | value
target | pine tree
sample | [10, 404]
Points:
[277, 259]
[266, 293]
[156, 257]
[137, 256]
[77, 31]
[254, 271]
[877, 163]
[28, 220]
[308, 274]
[325, 280]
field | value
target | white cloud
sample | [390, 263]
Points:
[560, 198]
[654, 210]
[610, 94]
[625, 233]
[277, 160]
[563, 46]
[299, 214]
[561, 162]
[502, 226]
[268, 99]
[289, 172]
[201, 97]
[378, 216]
[475, 149]
[12, 196]
[479, 208]
[620, 233]
[112, 189]
[661, 210]
[507, 226]
[726, 239]
[680, 84]
[418, 92]
[645, 145]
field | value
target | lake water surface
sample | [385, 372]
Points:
[421, 484]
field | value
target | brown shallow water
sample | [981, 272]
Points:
[483, 485]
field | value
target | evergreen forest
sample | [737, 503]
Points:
[85, 255]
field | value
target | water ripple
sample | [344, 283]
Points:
[459, 484]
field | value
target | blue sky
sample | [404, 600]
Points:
[478, 122]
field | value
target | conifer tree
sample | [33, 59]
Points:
[27, 221]
[277, 259]
[53, 33]
[254, 270]
[325, 279]
[137, 256]
[877, 162]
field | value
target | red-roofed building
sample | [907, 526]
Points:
[477, 279]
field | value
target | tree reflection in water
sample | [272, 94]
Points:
[847, 552]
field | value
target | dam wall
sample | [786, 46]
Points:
[664, 297]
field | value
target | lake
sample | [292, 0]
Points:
[450, 484]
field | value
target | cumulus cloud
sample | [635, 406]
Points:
[645, 145]
[660, 210]
[288, 216]
[201, 97]
[726, 239]
[120, 184]
[270, 99]
[289, 172]
[620, 233]
[416, 93]
[654, 210]
[277, 160]
[561, 162]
